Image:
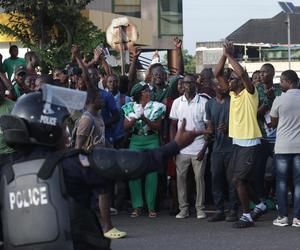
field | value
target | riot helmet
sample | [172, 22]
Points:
[38, 118]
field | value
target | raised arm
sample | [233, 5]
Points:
[135, 52]
[218, 72]
[238, 69]
[179, 56]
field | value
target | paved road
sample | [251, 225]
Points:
[166, 232]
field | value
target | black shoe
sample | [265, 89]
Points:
[217, 217]
[257, 212]
[232, 216]
[243, 222]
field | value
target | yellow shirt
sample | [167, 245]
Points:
[243, 115]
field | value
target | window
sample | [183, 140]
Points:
[127, 7]
[170, 15]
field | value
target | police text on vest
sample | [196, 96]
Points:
[29, 197]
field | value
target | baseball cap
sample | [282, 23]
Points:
[20, 69]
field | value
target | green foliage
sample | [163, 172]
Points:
[51, 27]
[189, 62]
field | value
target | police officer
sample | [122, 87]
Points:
[33, 193]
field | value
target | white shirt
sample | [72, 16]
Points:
[194, 113]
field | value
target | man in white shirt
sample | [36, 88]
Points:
[190, 106]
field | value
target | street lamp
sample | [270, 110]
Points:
[290, 9]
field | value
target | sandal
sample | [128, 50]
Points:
[136, 213]
[115, 234]
[152, 214]
[243, 222]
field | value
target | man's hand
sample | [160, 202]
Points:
[183, 137]
[270, 93]
[75, 51]
[97, 55]
[136, 51]
[200, 155]
[228, 48]
[223, 128]
[177, 43]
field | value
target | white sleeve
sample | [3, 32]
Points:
[275, 107]
[174, 110]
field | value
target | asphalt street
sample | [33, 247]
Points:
[165, 232]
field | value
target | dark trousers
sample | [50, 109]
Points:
[265, 151]
[219, 166]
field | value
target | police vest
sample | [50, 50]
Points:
[37, 213]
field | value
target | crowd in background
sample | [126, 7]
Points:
[246, 157]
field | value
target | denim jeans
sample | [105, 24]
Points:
[219, 165]
[286, 164]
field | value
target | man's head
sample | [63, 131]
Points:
[41, 80]
[256, 77]
[219, 90]
[20, 74]
[267, 73]
[93, 76]
[61, 75]
[235, 83]
[189, 85]
[206, 77]
[112, 83]
[93, 100]
[158, 75]
[13, 51]
[32, 59]
[289, 80]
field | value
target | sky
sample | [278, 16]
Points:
[213, 20]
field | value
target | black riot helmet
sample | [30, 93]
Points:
[37, 118]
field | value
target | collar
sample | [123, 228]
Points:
[196, 99]
[293, 90]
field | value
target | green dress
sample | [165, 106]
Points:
[143, 138]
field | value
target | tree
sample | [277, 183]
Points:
[51, 27]
[189, 62]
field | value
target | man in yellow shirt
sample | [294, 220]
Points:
[245, 134]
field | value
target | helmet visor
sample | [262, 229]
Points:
[64, 97]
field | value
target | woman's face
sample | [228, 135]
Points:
[145, 95]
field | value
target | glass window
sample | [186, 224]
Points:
[127, 7]
[170, 17]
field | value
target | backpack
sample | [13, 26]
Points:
[89, 141]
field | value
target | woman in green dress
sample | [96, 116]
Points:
[143, 120]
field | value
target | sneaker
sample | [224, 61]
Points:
[113, 211]
[243, 222]
[296, 222]
[281, 221]
[232, 216]
[201, 214]
[182, 214]
[257, 212]
[219, 216]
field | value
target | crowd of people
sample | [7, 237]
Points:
[247, 152]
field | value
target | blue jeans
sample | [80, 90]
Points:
[285, 164]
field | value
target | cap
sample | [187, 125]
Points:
[20, 69]
[137, 88]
